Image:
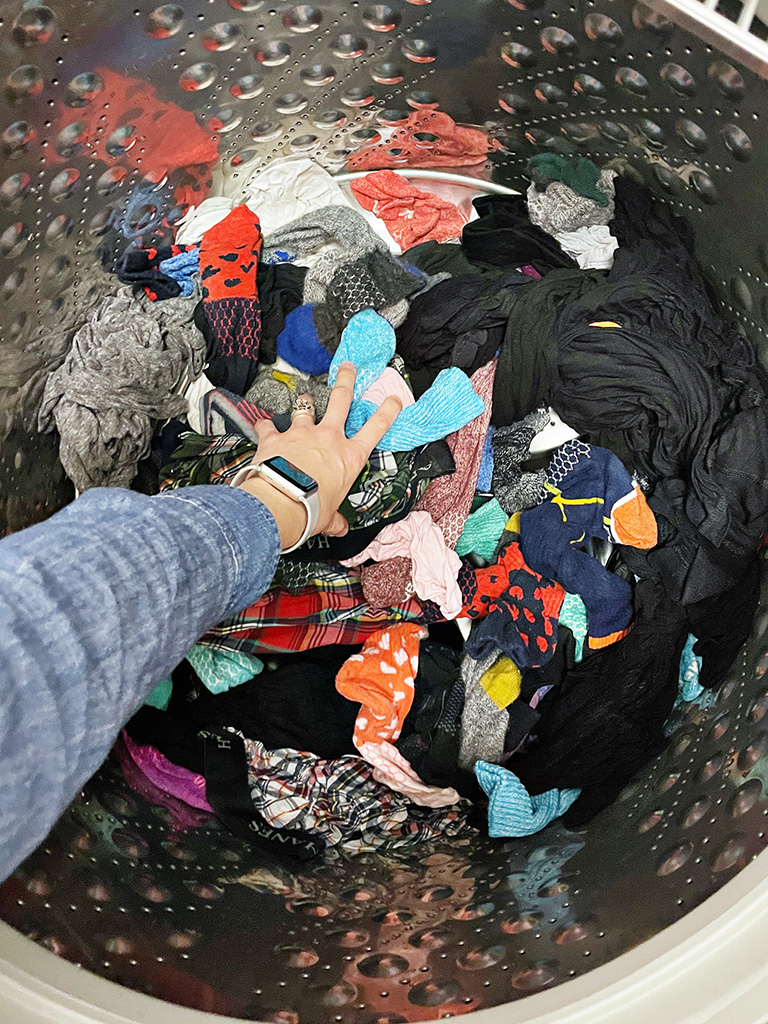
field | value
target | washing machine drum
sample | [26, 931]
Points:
[101, 99]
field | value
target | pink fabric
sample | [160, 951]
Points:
[410, 214]
[449, 498]
[530, 271]
[389, 382]
[171, 778]
[392, 769]
[434, 566]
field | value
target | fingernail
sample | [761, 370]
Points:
[346, 365]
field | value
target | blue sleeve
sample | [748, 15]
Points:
[96, 606]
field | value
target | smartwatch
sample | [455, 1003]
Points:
[291, 481]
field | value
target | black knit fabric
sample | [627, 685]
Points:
[503, 236]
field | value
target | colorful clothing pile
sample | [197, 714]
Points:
[578, 476]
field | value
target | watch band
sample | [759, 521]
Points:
[309, 501]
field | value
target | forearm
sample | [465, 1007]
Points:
[97, 605]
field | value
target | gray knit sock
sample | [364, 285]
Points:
[522, 493]
[396, 313]
[275, 396]
[309, 233]
[483, 724]
[374, 281]
[514, 489]
[558, 208]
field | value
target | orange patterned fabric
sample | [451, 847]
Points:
[229, 256]
[381, 677]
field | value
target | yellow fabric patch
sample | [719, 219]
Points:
[605, 323]
[513, 523]
[502, 682]
[284, 378]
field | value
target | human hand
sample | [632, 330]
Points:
[324, 452]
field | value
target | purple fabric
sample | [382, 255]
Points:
[171, 778]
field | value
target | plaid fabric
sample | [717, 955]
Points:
[334, 612]
[392, 482]
[340, 801]
[200, 459]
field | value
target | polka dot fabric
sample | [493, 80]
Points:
[381, 677]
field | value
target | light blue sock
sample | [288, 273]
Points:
[448, 405]
[183, 268]
[368, 341]
[512, 811]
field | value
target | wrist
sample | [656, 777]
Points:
[290, 515]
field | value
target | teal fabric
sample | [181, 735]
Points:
[160, 697]
[512, 811]
[690, 666]
[220, 670]
[573, 614]
[482, 531]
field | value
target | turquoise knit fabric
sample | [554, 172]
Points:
[447, 406]
[220, 670]
[368, 341]
[482, 531]
[160, 697]
[573, 614]
[690, 665]
[512, 811]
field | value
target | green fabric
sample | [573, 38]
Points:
[573, 614]
[482, 531]
[576, 172]
[160, 697]
[220, 670]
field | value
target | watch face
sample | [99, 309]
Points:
[293, 475]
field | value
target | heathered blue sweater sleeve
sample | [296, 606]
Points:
[97, 604]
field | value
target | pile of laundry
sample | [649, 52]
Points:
[555, 542]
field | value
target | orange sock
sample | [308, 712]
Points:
[381, 678]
